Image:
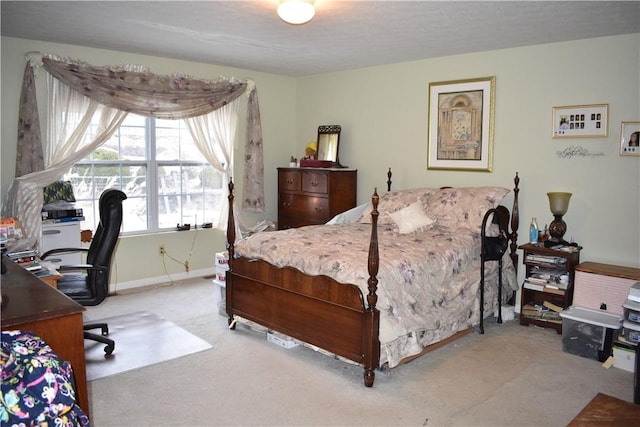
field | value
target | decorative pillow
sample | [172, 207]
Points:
[411, 218]
[462, 207]
[393, 201]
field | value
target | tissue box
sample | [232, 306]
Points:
[222, 260]
[589, 333]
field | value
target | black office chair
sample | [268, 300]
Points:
[92, 287]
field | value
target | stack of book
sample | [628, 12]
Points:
[27, 259]
[547, 312]
[545, 285]
[550, 260]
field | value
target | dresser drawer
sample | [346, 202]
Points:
[315, 183]
[61, 235]
[314, 195]
[289, 181]
[307, 207]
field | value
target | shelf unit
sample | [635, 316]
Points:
[542, 262]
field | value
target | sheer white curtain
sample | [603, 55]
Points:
[214, 134]
[69, 139]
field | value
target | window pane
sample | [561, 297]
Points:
[167, 142]
[133, 143]
[174, 142]
[134, 216]
[169, 211]
[106, 176]
[192, 179]
[134, 180]
[81, 177]
[169, 181]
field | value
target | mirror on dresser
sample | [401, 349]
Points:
[329, 143]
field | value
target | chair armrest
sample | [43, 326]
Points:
[62, 250]
[87, 267]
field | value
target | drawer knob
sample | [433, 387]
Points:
[318, 209]
[314, 183]
[289, 181]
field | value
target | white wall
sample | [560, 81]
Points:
[383, 113]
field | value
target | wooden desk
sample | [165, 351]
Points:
[30, 304]
[604, 410]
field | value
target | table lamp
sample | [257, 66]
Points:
[559, 204]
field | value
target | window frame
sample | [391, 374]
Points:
[152, 193]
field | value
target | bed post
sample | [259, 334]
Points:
[515, 223]
[389, 180]
[372, 338]
[231, 240]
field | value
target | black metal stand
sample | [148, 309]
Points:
[492, 248]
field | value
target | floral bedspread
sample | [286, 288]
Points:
[428, 280]
[37, 387]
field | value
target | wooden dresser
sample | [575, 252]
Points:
[308, 196]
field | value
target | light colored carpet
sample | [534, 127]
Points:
[142, 339]
[511, 376]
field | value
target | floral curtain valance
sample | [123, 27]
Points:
[141, 92]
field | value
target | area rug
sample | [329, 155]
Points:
[142, 339]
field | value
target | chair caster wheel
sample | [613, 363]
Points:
[109, 349]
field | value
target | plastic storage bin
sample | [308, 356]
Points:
[631, 331]
[589, 333]
[631, 310]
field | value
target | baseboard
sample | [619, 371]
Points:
[151, 282]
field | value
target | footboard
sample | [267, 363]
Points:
[314, 309]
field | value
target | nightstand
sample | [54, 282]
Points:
[549, 282]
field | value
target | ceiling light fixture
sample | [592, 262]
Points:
[296, 12]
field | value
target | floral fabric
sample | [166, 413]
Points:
[37, 387]
[428, 280]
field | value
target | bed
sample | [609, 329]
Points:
[393, 280]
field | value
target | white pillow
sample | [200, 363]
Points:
[411, 218]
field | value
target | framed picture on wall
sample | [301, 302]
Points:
[581, 121]
[630, 139]
[461, 116]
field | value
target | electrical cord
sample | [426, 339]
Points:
[186, 263]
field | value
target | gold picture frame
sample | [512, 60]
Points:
[580, 121]
[630, 139]
[461, 121]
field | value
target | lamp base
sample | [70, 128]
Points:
[550, 243]
[557, 228]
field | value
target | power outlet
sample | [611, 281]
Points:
[162, 250]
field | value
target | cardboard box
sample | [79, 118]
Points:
[281, 340]
[589, 333]
[624, 357]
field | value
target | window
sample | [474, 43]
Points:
[156, 163]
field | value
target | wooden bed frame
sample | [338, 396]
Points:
[318, 310]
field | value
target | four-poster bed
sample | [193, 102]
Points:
[422, 272]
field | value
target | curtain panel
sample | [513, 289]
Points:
[126, 88]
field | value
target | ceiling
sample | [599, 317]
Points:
[343, 35]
